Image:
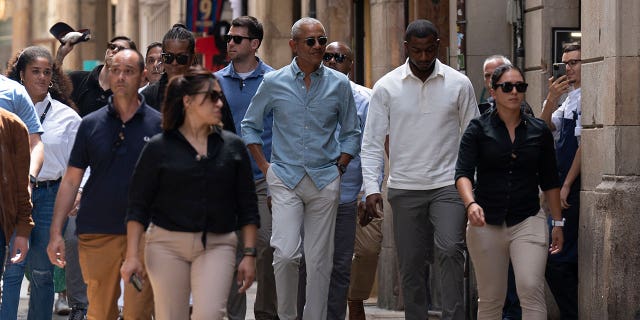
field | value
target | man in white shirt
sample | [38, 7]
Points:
[564, 122]
[424, 106]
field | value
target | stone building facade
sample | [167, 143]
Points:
[470, 31]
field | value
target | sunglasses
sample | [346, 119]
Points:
[114, 47]
[338, 56]
[236, 39]
[311, 41]
[182, 59]
[213, 95]
[508, 86]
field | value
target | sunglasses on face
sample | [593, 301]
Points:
[236, 39]
[114, 47]
[508, 86]
[339, 57]
[311, 41]
[213, 95]
[182, 59]
[573, 62]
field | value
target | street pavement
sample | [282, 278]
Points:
[373, 313]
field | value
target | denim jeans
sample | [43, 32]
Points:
[37, 262]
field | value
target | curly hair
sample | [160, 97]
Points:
[190, 83]
[61, 86]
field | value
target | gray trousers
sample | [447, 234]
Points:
[422, 218]
[315, 210]
[76, 288]
[345, 236]
[265, 306]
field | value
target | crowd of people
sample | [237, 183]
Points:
[184, 186]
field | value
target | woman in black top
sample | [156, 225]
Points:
[193, 183]
[512, 154]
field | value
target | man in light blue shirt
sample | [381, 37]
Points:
[239, 81]
[14, 98]
[308, 102]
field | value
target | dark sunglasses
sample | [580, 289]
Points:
[236, 39]
[213, 95]
[114, 47]
[182, 59]
[508, 86]
[311, 41]
[338, 56]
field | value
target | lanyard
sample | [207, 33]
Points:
[44, 114]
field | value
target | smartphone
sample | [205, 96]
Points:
[136, 282]
[559, 70]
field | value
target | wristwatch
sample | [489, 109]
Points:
[341, 167]
[556, 223]
[252, 252]
[33, 180]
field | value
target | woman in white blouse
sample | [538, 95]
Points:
[49, 90]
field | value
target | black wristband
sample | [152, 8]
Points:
[469, 205]
[251, 252]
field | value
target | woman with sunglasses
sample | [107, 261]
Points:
[512, 154]
[49, 90]
[178, 55]
[194, 184]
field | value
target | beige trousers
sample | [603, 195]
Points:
[491, 247]
[179, 265]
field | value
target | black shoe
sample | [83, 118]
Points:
[77, 314]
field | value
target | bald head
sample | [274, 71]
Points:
[338, 56]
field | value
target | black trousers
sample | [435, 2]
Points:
[562, 278]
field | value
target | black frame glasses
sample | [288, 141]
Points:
[236, 39]
[311, 41]
[339, 57]
[213, 95]
[573, 62]
[182, 59]
[112, 46]
[507, 87]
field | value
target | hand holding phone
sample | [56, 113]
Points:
[559, 70]
[136, 281]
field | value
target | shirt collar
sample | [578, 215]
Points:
[111, 110]
[295, 69]
[495, 119]
[231, 71]
[437, 70]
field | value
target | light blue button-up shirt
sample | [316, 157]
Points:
[304, 123]
[239, 92]
[14, 98]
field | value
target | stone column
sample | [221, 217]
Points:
[387, 50]
[21, 27]
[69, 13]
[277, 18]
[609, 213]
[127, 20]
[337, 18]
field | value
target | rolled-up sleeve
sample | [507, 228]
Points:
[252, 125]
[547, 166]
[350, 133]
[246, 199]
[468, 152]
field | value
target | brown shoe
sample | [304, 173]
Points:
[356, 310]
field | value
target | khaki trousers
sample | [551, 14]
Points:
[491, 247]
[179, 265]
[101, 256]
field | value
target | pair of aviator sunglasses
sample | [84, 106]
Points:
[507, 87]
[311, 41]
[236, 39]
[213, 95]
[168, 58]
[338, 56]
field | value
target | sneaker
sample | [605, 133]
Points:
[77, 314]
[61, 307]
